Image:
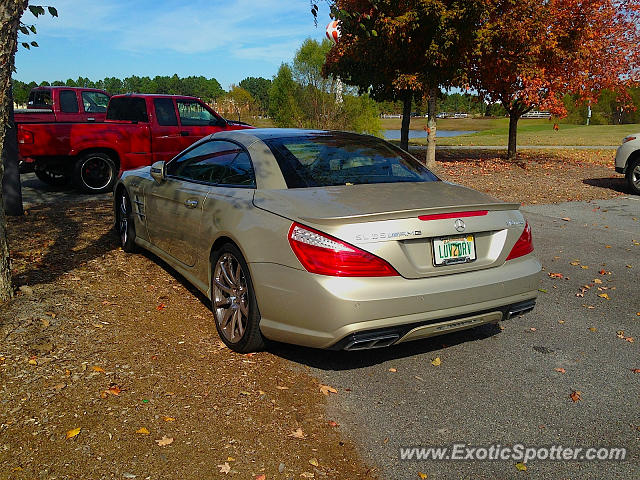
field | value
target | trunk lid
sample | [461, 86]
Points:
[385, 219]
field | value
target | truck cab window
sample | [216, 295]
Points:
[129, 109]
[95, 102]
[165, 112]
[195, 114]
[68, 101]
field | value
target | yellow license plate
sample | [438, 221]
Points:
[452, 250]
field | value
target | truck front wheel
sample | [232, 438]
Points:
[95, 172]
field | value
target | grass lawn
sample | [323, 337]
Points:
[543, 134]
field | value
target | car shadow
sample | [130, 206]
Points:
[344, 360]
[617, 184]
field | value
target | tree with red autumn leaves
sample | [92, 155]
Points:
[532, 52]
[524, 54]
[401, 49]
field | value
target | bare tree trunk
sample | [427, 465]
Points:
[11, 188]
[431, 127]
[514, 116]
[10, 13]
[406, 119]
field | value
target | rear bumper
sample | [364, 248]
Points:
[620, 170]
[318, 311]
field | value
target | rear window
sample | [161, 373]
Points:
[131, 109]
[40, 99]
[344, 159]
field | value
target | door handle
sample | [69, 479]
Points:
[191, 203]
[184, 133]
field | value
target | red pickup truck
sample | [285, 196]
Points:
[64, 104]
[138, 130]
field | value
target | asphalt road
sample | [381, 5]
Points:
[501, 387]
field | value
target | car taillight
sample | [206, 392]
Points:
[325, 255]
[25, 137]
[628, 139]
[524, 245]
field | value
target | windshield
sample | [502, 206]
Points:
[327, 159]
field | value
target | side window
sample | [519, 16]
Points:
[68, 101]
[165, 112]
[239, 172]
[214, 162]
[132, 109]
[195, 114]
[95, 102]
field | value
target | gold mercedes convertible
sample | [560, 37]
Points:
[327, 239]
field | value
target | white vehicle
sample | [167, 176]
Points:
[628, 161]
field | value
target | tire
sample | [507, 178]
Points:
[95, 172]
[633, 175]
[125, 226]
[233, 301]
[51, 176]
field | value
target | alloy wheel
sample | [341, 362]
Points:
[230, 299]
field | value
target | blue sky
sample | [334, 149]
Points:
[228, 40]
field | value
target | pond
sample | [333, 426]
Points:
[395, 134]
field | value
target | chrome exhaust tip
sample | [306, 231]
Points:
[372, 341]
[521, 308]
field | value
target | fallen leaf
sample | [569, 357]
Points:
[231, 459]
[604, 295]
[533, 329]
[114, 389]
[592, 329]
[521, 467]
[422, 475]
[314, 462]
[169, 419]
[32, 361]
[436, 362]
[95, 368]
[636, 370]
[333, 424]
[561, 370]
[584, 267]
[566, 219]
[574, 263]
[307, 475]
[326, 389]
[282, 388]
[575, 395]
[143, 431]
[556, 275]
[164, 441]
[262, 476]
[224, 468]
[74, 432]
[393, 370]
[542, 290]
[629, 339]
[620, 334]
[628, 266]
[597, 280]
[602, 272]
[297, 433]
[607, 246]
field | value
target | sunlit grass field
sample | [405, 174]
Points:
[494, 131]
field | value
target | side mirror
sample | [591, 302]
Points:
[158, 171]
